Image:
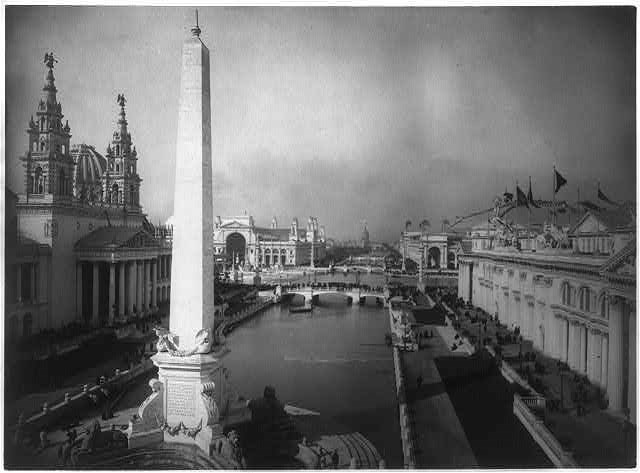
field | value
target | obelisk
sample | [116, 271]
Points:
[192, 399]
[192, 302]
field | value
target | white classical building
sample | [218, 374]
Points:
[240, 241]
[79, 248]
[572, 293]
[438, 250]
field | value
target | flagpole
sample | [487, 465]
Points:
[529, 215]
[554, 197]
[515, 218]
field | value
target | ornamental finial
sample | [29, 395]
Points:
[195, 30]
[49, 60]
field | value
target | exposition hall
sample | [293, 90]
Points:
[570, 289]
[78, 214]
[241, 242]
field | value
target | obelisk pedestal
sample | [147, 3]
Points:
[192, 399]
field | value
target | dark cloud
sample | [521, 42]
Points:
[348, 113]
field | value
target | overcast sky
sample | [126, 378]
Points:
[348, 114]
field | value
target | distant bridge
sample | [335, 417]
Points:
[352, 294]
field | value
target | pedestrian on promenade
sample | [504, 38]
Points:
[44, 441]
[419, 381]
[335, 459]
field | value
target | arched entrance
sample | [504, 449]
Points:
[433, 257]
[236, 246]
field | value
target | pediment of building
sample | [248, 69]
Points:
[590, 224]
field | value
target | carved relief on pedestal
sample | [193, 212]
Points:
[150, 415]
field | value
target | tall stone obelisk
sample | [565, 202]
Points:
[192, 302]
[191, 400]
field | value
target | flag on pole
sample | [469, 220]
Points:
[530, 196]
[521, 198]
[560, 181]
[602, 196]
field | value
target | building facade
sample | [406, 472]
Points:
[83, 249]
[572, 293]
[438, 251]
[240, 242]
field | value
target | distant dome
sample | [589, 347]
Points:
[89, 164]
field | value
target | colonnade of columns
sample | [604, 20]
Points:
[604, 352]
[134, 283]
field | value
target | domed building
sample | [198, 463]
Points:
[89, 166]
[80, 249]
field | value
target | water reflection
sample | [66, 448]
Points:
[332, 360]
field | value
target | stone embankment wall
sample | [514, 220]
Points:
[543, 437]
[226, 325]
[535, 426]
[74, 402]
[408, 447]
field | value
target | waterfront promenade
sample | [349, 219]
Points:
[439, 439]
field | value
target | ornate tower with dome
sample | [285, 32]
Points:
[97, 258]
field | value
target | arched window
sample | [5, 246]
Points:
[585, 299]
[38, 182]
[61, 182]
[117, 167]
[117, 150]
[42, 145]
[41, 123]
[114, 194]
[604, 306]
[566, 294]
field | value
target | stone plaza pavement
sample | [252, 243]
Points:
[440, 441]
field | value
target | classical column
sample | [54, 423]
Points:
[564, 327]
[147, 284]
[96, 293]
[615, 379]
[19, 282]
[32, 276]
[154, 284]
[590, 354]
[79, 290]
[133, 284]
[631, 397]
[574, 345]
[583, 349]
[112, 290]
[139, 275]
[121, 288]
[597, 357]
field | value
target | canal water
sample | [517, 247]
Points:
[333, 361]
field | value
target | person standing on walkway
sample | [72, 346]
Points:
[419, 381]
